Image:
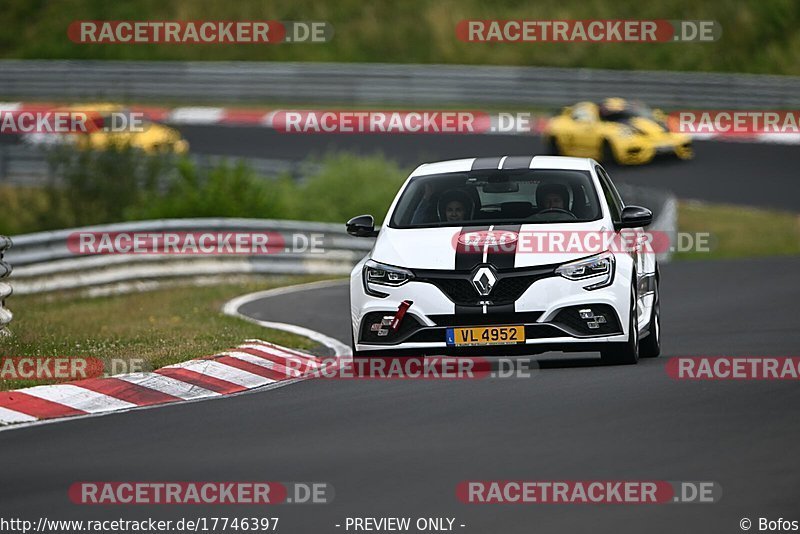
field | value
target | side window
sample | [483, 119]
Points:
[582, 113]
[613, 199]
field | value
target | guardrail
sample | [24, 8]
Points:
[5, 288]
[371, 84]
[45, 262]
[664, 205]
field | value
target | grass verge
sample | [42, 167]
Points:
[160, 327]
[738, 231]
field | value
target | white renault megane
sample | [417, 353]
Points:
[507, 255]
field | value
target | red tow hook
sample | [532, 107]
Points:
[401, 312]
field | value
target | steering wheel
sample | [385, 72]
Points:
[558, 210]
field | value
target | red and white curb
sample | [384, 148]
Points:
[253, 364]
[204, 116]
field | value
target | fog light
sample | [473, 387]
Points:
[593, 321]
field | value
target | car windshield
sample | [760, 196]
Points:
[497, 197]
[619, 115]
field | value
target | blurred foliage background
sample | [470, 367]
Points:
[759, 36]
[121, 184]
[341, 186]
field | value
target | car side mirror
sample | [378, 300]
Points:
[634, 217]
[362, 226]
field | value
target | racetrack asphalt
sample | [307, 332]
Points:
[755, 174]
[398, 448]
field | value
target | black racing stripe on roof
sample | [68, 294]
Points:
[517, 162]
[481, 164]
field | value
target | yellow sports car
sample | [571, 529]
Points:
[628, 133]
[114, 125]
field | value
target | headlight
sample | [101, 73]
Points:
[601, 266]
[385, 275]
[627, 130]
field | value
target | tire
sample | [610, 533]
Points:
[356, 353]
[650, 346]
[552, 147]
[626, 353]
[608, 154]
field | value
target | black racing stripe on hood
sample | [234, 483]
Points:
[481, 164]
[502, 258]
[518, 162]
[467, 258]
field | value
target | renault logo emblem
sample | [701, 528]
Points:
[484, 280]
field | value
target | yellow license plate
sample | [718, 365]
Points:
[486, 335]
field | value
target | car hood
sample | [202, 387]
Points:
[438, 248]
[648, 126]
[656, 131]
[157, 133]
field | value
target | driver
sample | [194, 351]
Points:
[552, 196]
[454, 206]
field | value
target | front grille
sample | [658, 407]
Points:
[458, 290]
[509, 287]
[480, 319]
[570, 319]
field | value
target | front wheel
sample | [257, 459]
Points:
[608, 154]
[651, 345]
[552, 147]
[625, 353]
[353, 344]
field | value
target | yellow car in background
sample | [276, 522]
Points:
[147, 136]
[628, 133]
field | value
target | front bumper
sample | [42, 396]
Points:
[638, 152]
[548, 309]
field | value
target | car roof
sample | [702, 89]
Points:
[537, 162]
